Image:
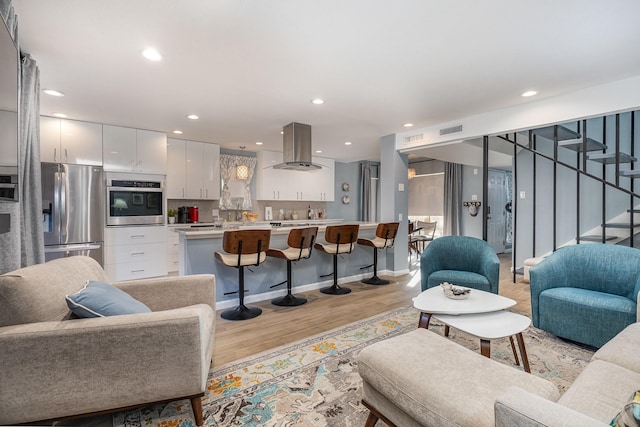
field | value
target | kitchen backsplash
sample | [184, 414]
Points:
[205, 208]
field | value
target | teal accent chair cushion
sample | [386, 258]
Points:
[586, 293]
[460, 260]
[98, 299]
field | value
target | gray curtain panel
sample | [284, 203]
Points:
[365, 174]
[452, 198]
[31, 233]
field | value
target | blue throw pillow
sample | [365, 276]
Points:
[99, 299]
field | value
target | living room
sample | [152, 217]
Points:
[542, 223]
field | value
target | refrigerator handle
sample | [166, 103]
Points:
[55, 215]
[63, 206]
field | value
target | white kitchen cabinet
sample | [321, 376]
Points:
[135, 252]
[271, 184]
[134, 150]
[176, 161]
[173, 245]
[308, 186]
[151, 152]
[202, 171]
[70, 141]
[8, 139]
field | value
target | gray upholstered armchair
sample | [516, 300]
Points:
[460, 260]
[54, 368]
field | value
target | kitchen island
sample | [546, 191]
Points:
[199, 244]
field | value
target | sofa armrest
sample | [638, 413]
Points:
[55, 369]
[165, 293]
[517, 407]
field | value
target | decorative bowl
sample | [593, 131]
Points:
[454, 292]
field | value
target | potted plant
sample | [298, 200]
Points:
[172, 214]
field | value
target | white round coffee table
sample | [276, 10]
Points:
[482, 315]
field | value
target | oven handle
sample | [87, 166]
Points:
[137, 189]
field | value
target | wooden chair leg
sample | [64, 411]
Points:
[196, 405]
[372, 419]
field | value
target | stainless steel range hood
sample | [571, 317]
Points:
[296, 150]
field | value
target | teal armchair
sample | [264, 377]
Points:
[460, 260]
[586, 293]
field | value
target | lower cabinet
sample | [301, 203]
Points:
[173, 246]
[135, 252]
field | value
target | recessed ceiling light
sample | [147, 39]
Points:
[151, 54]
[529, 93]
[53, 92]
[347, 143]
[281, 132]
[61, 115]
[408, 125]
[259, 143]
[317, 101]
[318, 151]
[177, 132]
[193, 117]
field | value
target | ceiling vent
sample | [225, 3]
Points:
[413, 138]
[452, 129]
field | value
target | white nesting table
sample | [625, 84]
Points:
[482, 314]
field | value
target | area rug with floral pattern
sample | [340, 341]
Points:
[315, 382]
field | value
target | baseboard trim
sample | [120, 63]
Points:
[220, 305]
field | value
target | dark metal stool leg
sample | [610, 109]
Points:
[375, 280]
[335, 289]
[289, 300]
[242, 312]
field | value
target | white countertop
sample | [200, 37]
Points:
[204, 231]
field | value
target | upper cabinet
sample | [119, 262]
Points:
[176, 168]
[70, 141]
[279, 184]
[134, 150]
[193, 170]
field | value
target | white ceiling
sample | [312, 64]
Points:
[248, 68]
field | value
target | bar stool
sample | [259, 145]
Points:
[340, 240]
[385, 236]
[243, 248]
[300, 243]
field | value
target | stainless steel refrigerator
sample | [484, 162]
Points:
[73, 210]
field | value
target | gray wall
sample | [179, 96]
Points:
[471, 185]
[349, 173]
[393, 202]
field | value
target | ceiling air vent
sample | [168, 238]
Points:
[413, 138]
[452, 129]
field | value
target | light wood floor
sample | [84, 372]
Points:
[281, 325]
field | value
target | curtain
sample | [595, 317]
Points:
[365, 175]
[31, 233]
[251, 162]
[227, 167]
[452, 198]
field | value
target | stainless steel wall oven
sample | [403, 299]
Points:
[135, 199]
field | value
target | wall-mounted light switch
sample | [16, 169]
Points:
[400, 187]
[399, 217]
[474, 197]
[522, 194]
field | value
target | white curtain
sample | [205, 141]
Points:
[227, 168]
[251, 162]
[228, 165]
[31, 232]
